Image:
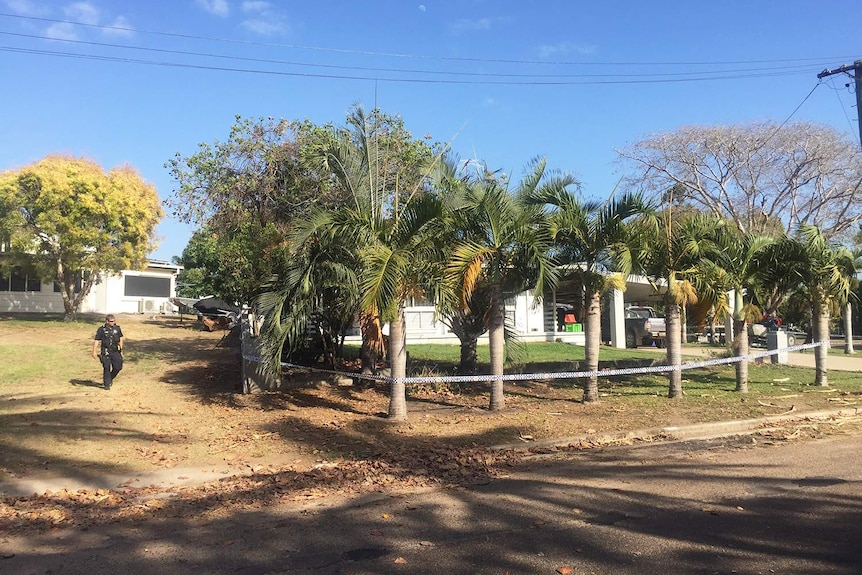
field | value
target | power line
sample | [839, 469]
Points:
[705, 74]
[555, 82]
[796, 109]
[853, 70]
[840, 101]
[414, 56]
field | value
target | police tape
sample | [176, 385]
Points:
[552, 375]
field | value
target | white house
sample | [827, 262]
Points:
[130, 291]
[150, 290]
[542, 320]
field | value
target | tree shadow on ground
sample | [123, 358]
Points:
[55, 427]
[622, 511]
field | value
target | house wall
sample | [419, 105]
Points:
[533, 321]
[44, 301]
[530, 316]
[106, 296]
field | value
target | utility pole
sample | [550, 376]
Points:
[856, 68]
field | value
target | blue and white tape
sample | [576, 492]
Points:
[553, 375]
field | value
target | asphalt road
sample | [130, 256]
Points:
[720, 506]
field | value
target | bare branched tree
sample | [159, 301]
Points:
[758, 175]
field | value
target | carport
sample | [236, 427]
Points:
[638, 292]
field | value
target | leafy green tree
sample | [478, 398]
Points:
[200, 260]
[388, 224]
[449, 180]
[231, 265]
[71, 221]
[246, 193]
[592, 241]
[505, 249]
[855, 298]
[317, 291]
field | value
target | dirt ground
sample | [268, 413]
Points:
[175, 406]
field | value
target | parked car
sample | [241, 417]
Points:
[644, 326]
[757, 332]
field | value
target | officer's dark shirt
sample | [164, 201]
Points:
[110, 336]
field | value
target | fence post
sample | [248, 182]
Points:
[254, 377]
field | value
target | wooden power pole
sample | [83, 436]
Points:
[856, 69]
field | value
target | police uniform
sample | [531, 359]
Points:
[111, 353]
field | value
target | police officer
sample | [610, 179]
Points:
[108, 348]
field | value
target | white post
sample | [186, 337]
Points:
[617, 315]
[848, 329]
[728, 319]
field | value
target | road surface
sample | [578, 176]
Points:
[749, 504]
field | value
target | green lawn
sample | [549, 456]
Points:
[769, 379]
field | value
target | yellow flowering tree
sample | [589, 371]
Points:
[68, 220]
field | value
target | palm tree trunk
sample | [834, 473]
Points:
[740, 349]
[848, 329]
[683, 323]
[371, 343]
[674, 350]
[467, 365]
[592, 335]
[497, 349]
[398, 366]
[820, 319]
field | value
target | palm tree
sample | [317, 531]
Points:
[504, 249]
[317, 287]
[847, 314]
[592, 239]
[388, 227]
[670, 254]
[823, 270]
[732, 266]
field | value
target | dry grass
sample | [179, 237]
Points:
[175, 405]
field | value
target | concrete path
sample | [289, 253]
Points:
[838, 362]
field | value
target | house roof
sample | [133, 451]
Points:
[161, 264]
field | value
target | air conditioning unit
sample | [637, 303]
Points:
[147, 306]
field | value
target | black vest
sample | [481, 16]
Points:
[110, 338]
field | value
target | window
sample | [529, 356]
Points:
[144, 286]
[419, 301]
[79, 282]
[19, 281]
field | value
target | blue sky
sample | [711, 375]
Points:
[505, 81]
